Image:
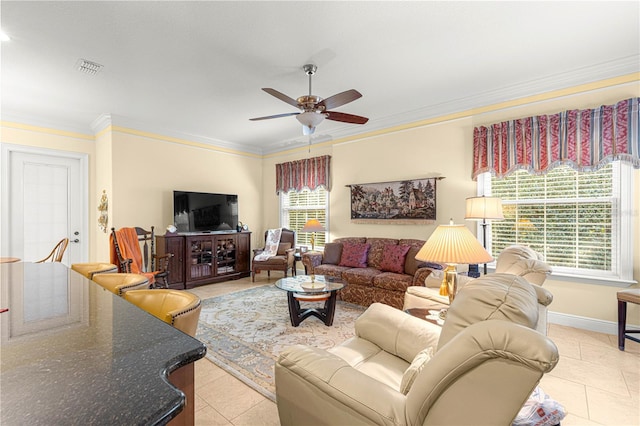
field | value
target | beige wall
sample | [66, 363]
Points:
[140, 171]
[438, 150]
[446, 149]
[147, 170]
[104, 176]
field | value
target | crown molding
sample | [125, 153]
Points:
[603, 75]
[128, 125]
[101, 123]
[46, 125]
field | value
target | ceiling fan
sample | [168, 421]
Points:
[314, 109]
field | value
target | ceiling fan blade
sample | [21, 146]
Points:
[344, 117]
[340, 99]
[282, 97]
[288, 114]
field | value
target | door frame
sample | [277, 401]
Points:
[6, 150]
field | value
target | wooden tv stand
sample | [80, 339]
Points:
[205, 258]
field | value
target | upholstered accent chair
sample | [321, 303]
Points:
[282, 261]
[479, 368]
[179, 308]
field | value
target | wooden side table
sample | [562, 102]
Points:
[624, 297]
[297, 257]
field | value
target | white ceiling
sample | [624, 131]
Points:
[195, 69]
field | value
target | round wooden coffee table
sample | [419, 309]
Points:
[308, 288]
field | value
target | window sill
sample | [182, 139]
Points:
[606, 281]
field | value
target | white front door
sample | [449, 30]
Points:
[46, 202]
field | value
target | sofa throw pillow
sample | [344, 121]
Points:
[283, 247]
[414, 369]
[393, 257]
[332, 253]
[354, 255]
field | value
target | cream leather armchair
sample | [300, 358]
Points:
[516, 260]
[486, 362]
[525, 262]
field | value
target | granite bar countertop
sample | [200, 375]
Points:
[74, 353]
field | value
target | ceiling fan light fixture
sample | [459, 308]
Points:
[310, 118]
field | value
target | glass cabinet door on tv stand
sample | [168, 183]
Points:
[225, 254]
[200, 260]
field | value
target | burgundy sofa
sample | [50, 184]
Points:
[373, 269]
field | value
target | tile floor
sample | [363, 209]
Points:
[595, 382]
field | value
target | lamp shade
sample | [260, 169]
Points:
[313, 225]
[453, 244]
[484, 208]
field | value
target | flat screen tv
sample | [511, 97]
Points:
[204, 212]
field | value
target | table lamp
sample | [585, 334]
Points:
[313, 226]
[452, 244]
[484, 208]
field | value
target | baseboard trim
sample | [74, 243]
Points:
[585, 323]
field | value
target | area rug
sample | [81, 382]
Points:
[246, 331]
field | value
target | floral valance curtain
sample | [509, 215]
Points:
[310, 173]
[583, 139]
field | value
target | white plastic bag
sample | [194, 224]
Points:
[540, 410]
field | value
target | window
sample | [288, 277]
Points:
[296, 207]
[579, 221]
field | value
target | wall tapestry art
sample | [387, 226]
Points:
[401, 202]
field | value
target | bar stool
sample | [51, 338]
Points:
[181, 309]
[92, 268]
[624, 297]
[121, 283]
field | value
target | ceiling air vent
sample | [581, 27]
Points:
[88, 67]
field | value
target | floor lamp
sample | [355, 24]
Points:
[484, 209]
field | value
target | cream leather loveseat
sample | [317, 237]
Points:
[486, 361]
